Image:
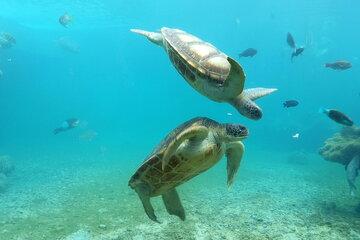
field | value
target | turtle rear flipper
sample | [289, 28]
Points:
[234, 155]
[256, 93]
[173, 204]
[143, 190]
[245, 104]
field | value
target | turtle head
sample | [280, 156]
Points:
[235, 132]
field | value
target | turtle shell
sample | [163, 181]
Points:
[199, 56]
[175, 173]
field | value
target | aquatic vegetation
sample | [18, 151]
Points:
[343, 146]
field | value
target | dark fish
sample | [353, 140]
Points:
[352, 171]
[338, 116]
[290, 41]
[250, 52]
[67, 125]
[297, 52]
[339, 65]
[290, 103]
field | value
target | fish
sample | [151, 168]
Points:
[67, 125]
[250, 52]
[337, 116]
[290, 40]
[65, 20]
[352, 171]
[296, 135]
[290, 103]
[339, 65]
[297, 52]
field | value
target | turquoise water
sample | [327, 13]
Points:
[128, 96]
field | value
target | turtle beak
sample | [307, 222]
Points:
[244, 132]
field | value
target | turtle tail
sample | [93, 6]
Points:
[245, 104]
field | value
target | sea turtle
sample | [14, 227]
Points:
[190, 149]
[209, 71]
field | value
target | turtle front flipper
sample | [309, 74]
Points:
[143, 190]
[352, 171]
[154, 37]
[245, 104]
[234, 155]
[173, 204]
[234, 84]
[191, 133]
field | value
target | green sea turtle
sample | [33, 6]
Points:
[190, 149]
[209, 71]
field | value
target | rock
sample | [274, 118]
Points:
[343, 146]
[102, 226]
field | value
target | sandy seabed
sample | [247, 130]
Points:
[273, 197]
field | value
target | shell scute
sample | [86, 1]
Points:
[201, 57]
